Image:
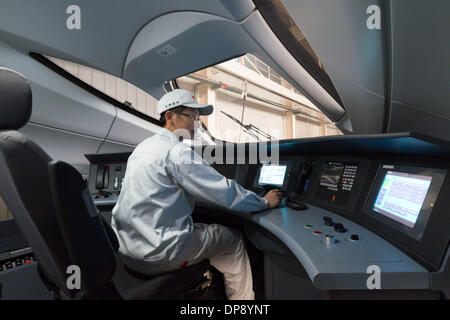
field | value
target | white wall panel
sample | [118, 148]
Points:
[98, 80]
[140, 101]
[131, 94]
[110, 85]
[151, 106]
[121, 90]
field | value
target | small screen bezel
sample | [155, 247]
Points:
[287, 174]
[272, 165]
[343, 196]
[417, 231]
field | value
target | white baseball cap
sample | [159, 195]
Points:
[180, 97]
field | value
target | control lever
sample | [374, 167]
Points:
[339, 227]
[100, 178]
[294, 201]
[328, 221]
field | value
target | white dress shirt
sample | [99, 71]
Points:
[152, 217]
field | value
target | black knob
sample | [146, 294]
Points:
[354, 237]
[328, 221]
[339, 227]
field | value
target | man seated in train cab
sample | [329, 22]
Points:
[164, 177]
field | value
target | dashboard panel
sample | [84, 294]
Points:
[371, 200]
[352, 187]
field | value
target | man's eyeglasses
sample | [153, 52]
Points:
[194, 116]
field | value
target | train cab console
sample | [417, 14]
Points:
[106, 175]
[363, 216]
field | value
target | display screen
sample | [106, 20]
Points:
[332, 173]
[272, 174]
[336, 181]
[401, 196]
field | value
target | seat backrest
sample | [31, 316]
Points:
[24, 182]
[92, 244]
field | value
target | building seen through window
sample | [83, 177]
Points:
[254, 103]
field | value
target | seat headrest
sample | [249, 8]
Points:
[15, 100]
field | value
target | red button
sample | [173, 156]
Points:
[317, 232]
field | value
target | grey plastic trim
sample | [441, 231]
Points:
[440, 280]
[104, 26]
[63, 145]
[131, 130]
[344, 265]
[345, 125]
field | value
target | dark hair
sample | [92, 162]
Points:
[162, 120]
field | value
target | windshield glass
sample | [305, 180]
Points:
[254, 103]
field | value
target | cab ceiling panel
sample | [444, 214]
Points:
[179, 43]
[352, 54]
[108, 27]
[421, 67]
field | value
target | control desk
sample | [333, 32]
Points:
[375, 202]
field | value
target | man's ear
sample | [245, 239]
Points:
[169, 116]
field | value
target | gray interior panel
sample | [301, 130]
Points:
[439, 280]
[23, 284]
[337, 31]
[220, 40]
[285, 278]
[62, 145]
[102, 31]
[345, 125]
[130, 129]
[404, 117]
[114, 147]
[421, 51]
[364, 108]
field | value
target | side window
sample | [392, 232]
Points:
[254, 103]
[118, 89]
[4, 212]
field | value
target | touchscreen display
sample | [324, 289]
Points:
[272, 174]
[401, 196]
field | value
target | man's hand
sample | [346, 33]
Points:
[274, 197]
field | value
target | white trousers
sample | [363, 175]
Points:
[225, 249]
